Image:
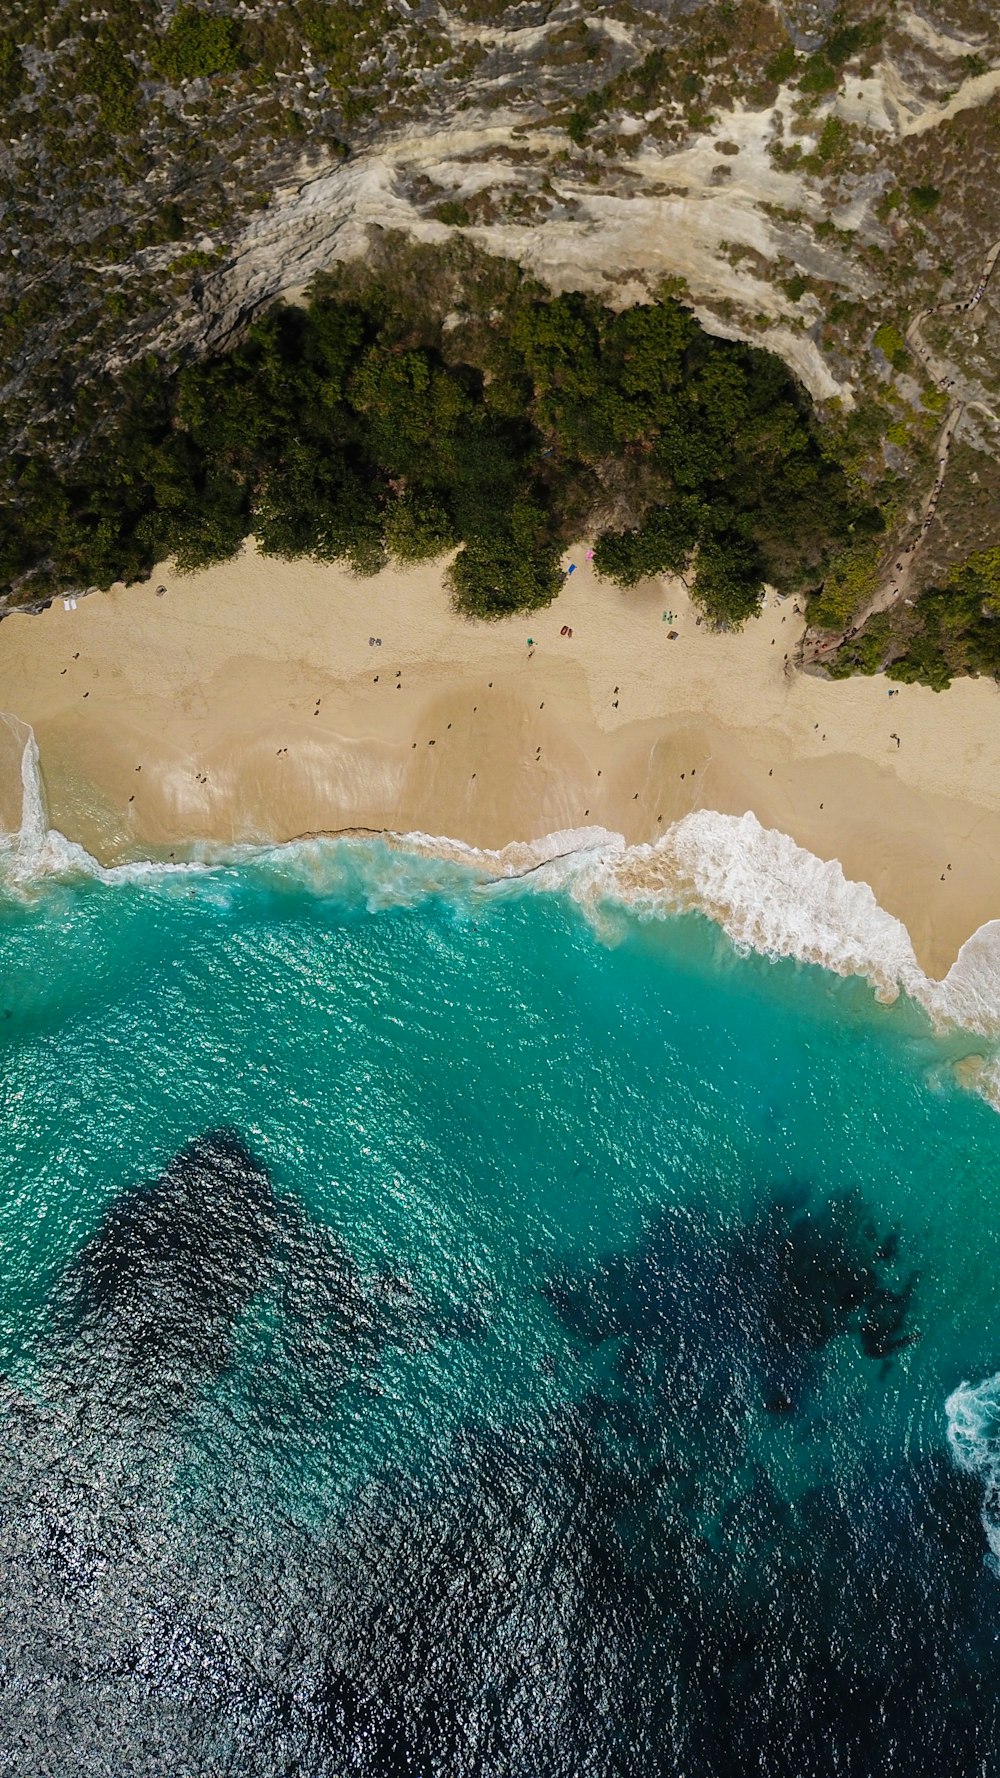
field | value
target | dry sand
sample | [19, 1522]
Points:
[256, 707]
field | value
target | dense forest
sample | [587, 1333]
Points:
[434, 403]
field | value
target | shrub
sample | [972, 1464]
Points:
[452, 212]
[889, 340]
[834, 138]
[818, 76]
[844, 43]
[781, 67]
[865, 653]
[923, 199]
[107, 73]
[196, 44]
[851, 580]
[11, 70]
[888, 202]
[582, 120]
[978, 578]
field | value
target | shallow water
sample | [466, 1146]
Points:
[446, 1333]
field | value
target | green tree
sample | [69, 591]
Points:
[196, 44]
[417, 528]
[662, 545]
[728, 584]
[362, 427]
[494, 576]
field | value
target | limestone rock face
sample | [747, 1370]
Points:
[801, 174]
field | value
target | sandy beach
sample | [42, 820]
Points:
[253, 702]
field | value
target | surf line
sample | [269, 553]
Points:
[767, 893]
[393, 833]
[518, 876]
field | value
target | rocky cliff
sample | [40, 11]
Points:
[810, 179]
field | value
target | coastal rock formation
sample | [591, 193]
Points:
[764, 156]
[809, 180]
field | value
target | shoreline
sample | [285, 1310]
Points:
[249, 705]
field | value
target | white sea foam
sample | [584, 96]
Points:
[35, 850]
[767, 893]
[973, 1413]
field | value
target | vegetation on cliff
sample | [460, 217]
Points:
[952, 631]
[450, 401]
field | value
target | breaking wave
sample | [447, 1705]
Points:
[35, 850]
[767, 893]
[973, 1414]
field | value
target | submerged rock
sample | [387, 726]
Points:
[157, 1290]
[752, 1306]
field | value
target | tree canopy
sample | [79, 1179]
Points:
[374, 424]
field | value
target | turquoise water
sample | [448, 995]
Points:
[447, 1333]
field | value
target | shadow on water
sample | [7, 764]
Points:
[618, 1585]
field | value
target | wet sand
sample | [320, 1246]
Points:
[249, 703]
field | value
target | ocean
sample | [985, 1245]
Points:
[469, 1326]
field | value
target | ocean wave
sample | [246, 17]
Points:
[767, 893]
[973, 1416]
[35, 851]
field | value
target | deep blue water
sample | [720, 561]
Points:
[442, 1337]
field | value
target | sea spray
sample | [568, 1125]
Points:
[36, 850]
